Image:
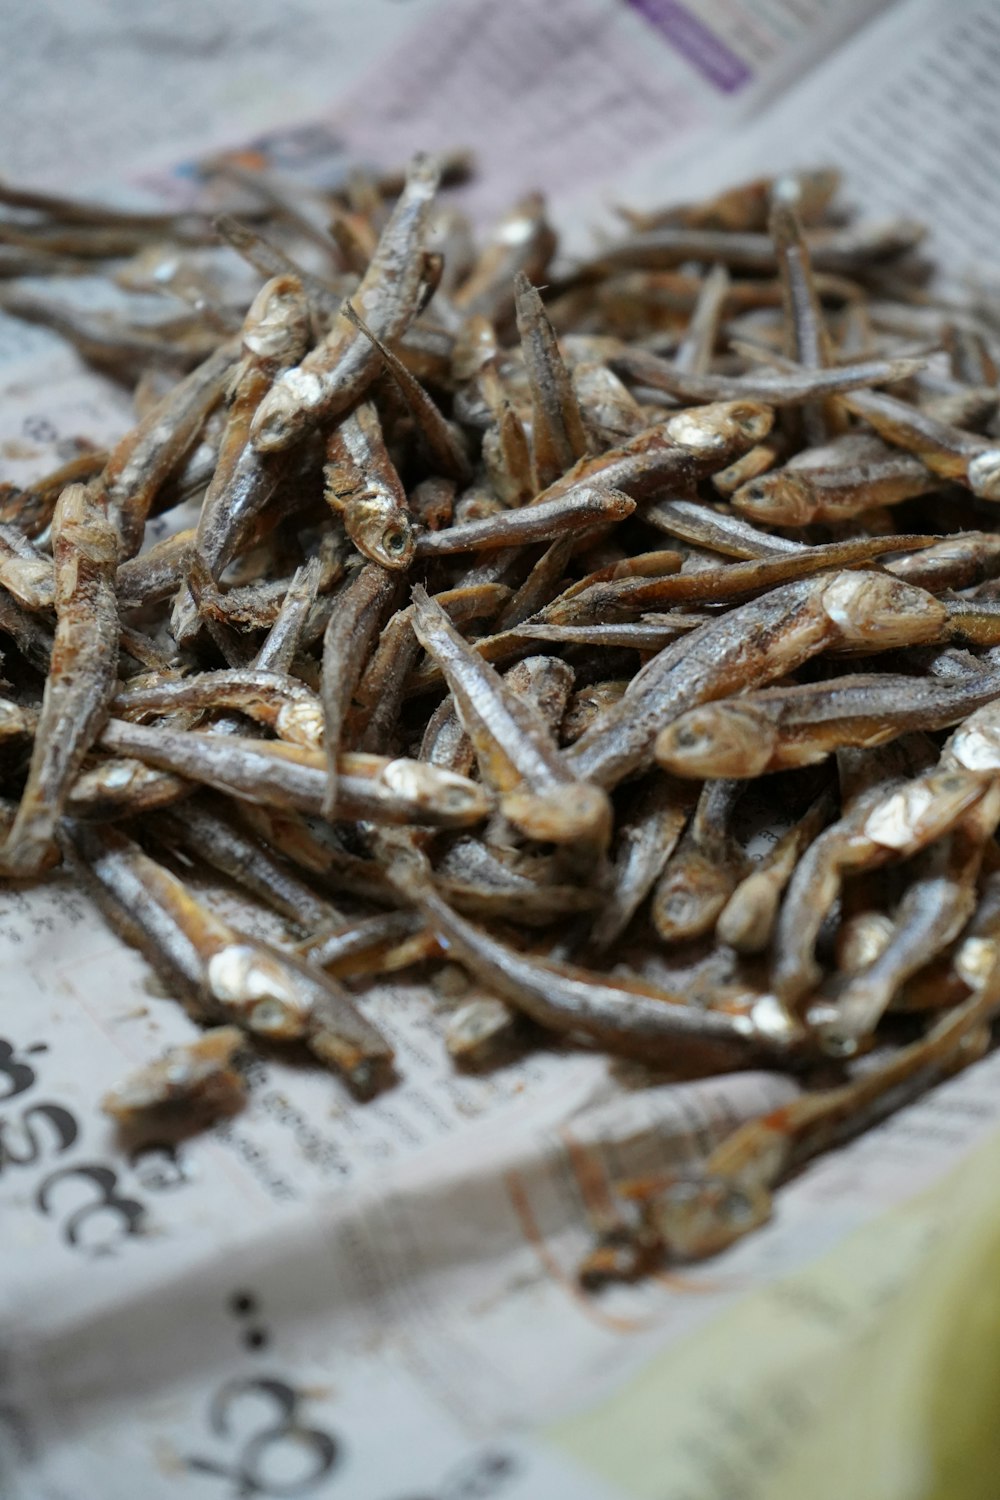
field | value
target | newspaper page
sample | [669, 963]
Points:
[905, 109]
[319, 1298]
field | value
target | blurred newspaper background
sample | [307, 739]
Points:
[378, 1301]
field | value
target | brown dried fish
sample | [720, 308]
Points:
[514, 451]
[219, 972]
[781, 728]
[347, 642]
[81, 679]
[361, 484]
[752, 644]
[335, 373]
[628, 1018]
[704, 870]
[194, 1079]
[275, 332]
[515, 749]
[291, 776]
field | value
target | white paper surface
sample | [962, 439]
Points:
[378, 1302]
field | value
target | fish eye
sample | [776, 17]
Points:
[686, 738]
[737, 1207]
[270, 1017]
[394, 541]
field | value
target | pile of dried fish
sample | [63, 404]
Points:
[452, 624]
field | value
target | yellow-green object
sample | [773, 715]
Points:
[873, 1374]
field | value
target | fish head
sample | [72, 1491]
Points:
[984, 474]
[720, 427]
[717, 739]
[187, 1075]
[381, 530]
[877, 612]
[780, 499]
[444, 798]
[301, 722]
[289, 409]
[561, 815]
[923, 809]
[975, 745]
[253, 983]
[479, 1029]
[14, 720]
[83, 531]
[689, 897]
[698, 1213]
[276, 330]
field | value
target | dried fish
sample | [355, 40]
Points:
[145, 457]
[585, 506]
[279, 650]
[378, 697]
[363, 486]
[334, 374]
[515, 749]
[196, 1078]
[746, 922]
[104, 341]
[223, 974]
[347, 642]
[672, 454]
[203, 831]
[275, 331]
[282, 703]
[373, 748]
[831, 249]
[958, 562]
[691, 1215]
[558, 435]
[708, 585]
[646, 842]
[648, 636]
[545, 682]
[746, 205]
[30, 509]
[631, 1019]
[938, 902]
[440, 439]
[704, 870]
[156, 574]
[482, 1032]
[947, 451]
[881, 826]
[81, 679]
[25, 573]
[799, 496]
[282, 775]
[718, 531]
[781, 728]
[522, 241]
[379, 944]
[271, 261]
[752, 644]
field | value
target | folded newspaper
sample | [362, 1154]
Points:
[380, 1301]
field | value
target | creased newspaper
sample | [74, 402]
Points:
[379, 1301]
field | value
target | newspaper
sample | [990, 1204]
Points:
[378, 1302]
